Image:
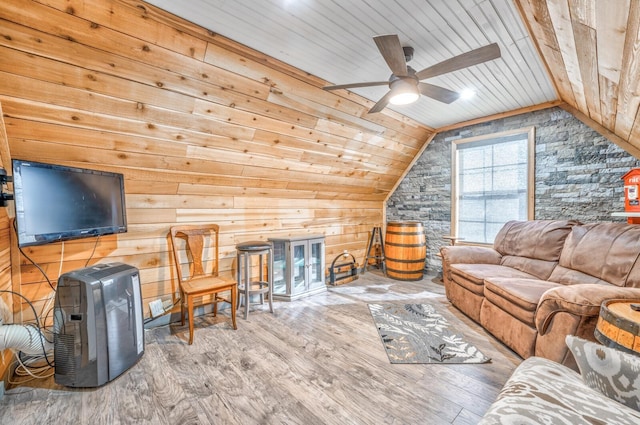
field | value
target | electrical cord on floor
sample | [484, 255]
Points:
[28, 367]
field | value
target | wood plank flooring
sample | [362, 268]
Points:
[317, 360]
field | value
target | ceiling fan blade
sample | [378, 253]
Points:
[474, 57]
[392, 52]
[355, 85]
[438, 93]
[380, 105]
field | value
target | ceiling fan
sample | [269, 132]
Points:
[405, 84]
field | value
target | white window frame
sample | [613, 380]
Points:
[530, 134]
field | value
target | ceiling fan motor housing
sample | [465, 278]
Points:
[411, 74]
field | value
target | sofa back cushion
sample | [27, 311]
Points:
[606, 252]
[534, 246]
[537, 239]
[539, 268]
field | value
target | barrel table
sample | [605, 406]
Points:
[405, 250]
[619, 325]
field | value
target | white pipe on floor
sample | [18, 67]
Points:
[23, 338]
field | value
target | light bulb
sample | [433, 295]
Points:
[404, 98]
[404, 91]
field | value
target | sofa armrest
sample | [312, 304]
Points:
[467, 254]
[579, 300]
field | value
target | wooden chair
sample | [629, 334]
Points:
[195, 253]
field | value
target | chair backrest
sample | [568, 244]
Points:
[200, 247]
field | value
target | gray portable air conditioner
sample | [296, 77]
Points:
[98, 325]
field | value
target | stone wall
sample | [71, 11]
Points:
[578, 175]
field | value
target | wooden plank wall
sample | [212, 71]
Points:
[6, 283]
[203, 129]
[5, 280]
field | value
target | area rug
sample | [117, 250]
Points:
[417, 333]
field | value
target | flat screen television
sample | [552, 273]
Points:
[56, 203]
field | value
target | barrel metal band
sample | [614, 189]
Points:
[406, 245]
[418, 260]
[404, 271]
[391, 232]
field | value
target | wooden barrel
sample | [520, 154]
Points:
[619, 325]
[405, 250]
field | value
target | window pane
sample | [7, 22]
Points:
[472, 231]
[492, 185]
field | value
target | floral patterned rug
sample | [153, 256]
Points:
[417, 333]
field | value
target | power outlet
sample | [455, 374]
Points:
[157, 308]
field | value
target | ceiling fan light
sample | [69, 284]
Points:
[403, 98]
[404, 92]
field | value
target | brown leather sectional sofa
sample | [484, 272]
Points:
[543, 280]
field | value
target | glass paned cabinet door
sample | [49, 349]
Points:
[299, 267]
[316, 263]
[279, 268]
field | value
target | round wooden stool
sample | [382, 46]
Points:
[248, 287]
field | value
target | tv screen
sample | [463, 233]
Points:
[55, 203]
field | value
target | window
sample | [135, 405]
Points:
[493, 182]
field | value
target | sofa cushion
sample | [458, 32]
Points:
[539, 239]
[472, 276]
[607, 251]
[567, 276]
[541, 269]
[517, 296]
[612, 372]
[541, 391]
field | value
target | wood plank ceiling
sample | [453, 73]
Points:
[333, 40]
[593, 51]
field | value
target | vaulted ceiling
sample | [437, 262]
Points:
[580, 52]
[333, 40]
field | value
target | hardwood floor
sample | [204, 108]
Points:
[317, 360]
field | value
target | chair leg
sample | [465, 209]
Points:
[190, 307]
[182, 302]
[215, 305]
[234, 296]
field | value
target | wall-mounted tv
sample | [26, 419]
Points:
[56, 203]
